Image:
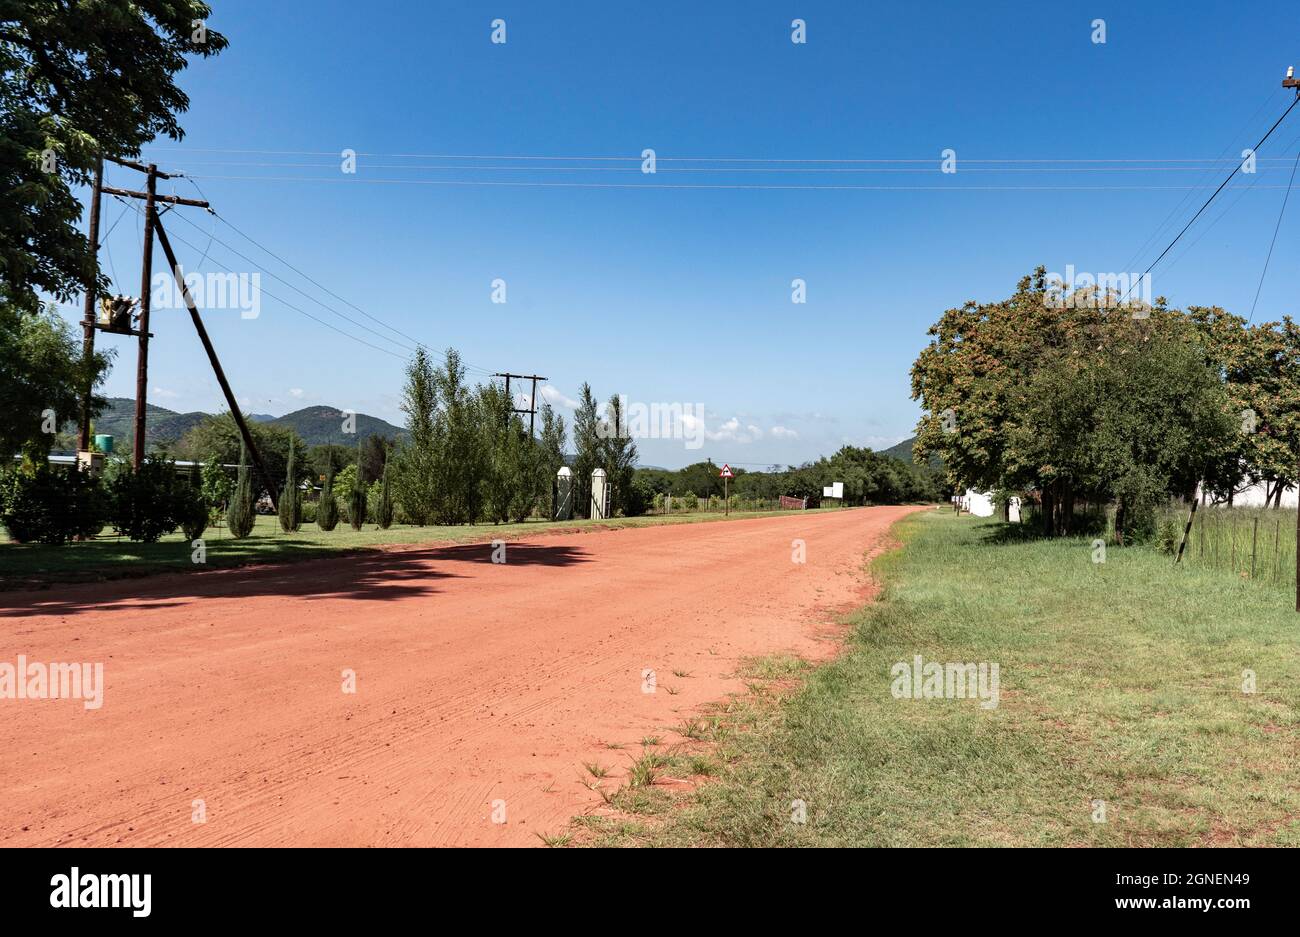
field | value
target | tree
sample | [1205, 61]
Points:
[373, 458]
[42, 376]
[76, 81]
[384, 507]
[219, 437]
[357, 502]
[240, 516]
[458, 460]
[414, 484]
[550, 450]
[586, 439]
[327, 511]
[290, 505]
[617, 453]
[1071, 400]
[216, 485]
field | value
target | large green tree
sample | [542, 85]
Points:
[79, 78]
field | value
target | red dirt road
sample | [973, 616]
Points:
[475, 682]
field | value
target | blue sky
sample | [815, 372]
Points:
[683, 294]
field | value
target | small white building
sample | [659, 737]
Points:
[978, 503]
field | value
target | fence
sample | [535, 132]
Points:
[1252, 543]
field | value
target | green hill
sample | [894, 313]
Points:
[903, 452]
[315, 425]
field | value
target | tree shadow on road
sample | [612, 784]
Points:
[372, 576]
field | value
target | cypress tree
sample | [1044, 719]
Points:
[239, 516]
[384, 510]
[327, 512]
[290, 505]
[357, 503]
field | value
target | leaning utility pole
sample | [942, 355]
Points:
[216, 365]
[532, 399]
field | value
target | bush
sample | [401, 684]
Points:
[640, 496]
[308, 510]
[239, 516]
[327, 512]
[143, 501]
[51, 505]
[290, 500]
[383, 509]
[190, 510]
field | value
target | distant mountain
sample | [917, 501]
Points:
[320, 425]
[314, 425]
[162, 426]
[903, 452]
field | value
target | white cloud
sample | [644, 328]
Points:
[297, 393]
[552, 395]
[780, 432]
[164, 393]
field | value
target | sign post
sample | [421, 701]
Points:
[726, 476]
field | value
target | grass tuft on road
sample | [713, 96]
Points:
[1121, 684]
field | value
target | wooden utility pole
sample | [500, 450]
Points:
[532, 406]
[142, 360]
[88, 317]
[153, 227]
[216, 365]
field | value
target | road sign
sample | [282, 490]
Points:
[726, 472]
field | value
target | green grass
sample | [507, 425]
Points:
[1120, 682]
[25, 566]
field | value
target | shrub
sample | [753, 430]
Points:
[327, 512]
[357, 500]
[308, 512]
[190, 510]
[239, 516]
[51, 505]
[290, 501]
[143, 501]
[383, 513]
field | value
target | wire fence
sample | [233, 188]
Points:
[1252, 543]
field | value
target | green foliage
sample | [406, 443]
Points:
[76, 80]
[1074, 401]
[144, 501]
[216, 485]
[327, 510]
[219, 437]
[240, 516]
[290, 500]
[383, 509]
[357, 501]
[416, 456]
[617, 454]
[42, 376]
[51, 505]
[189, 510]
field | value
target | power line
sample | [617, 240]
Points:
[655, 185]
[1272, 242]
[1213, 195]
[697, 159]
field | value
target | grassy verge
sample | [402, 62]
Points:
[27, 566]
[1121, 682]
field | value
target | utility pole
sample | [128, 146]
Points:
[88, 317]
[216, 365]
[146, 278]
[532, 406]
[153, 227]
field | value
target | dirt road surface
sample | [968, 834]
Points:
[477, 684]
